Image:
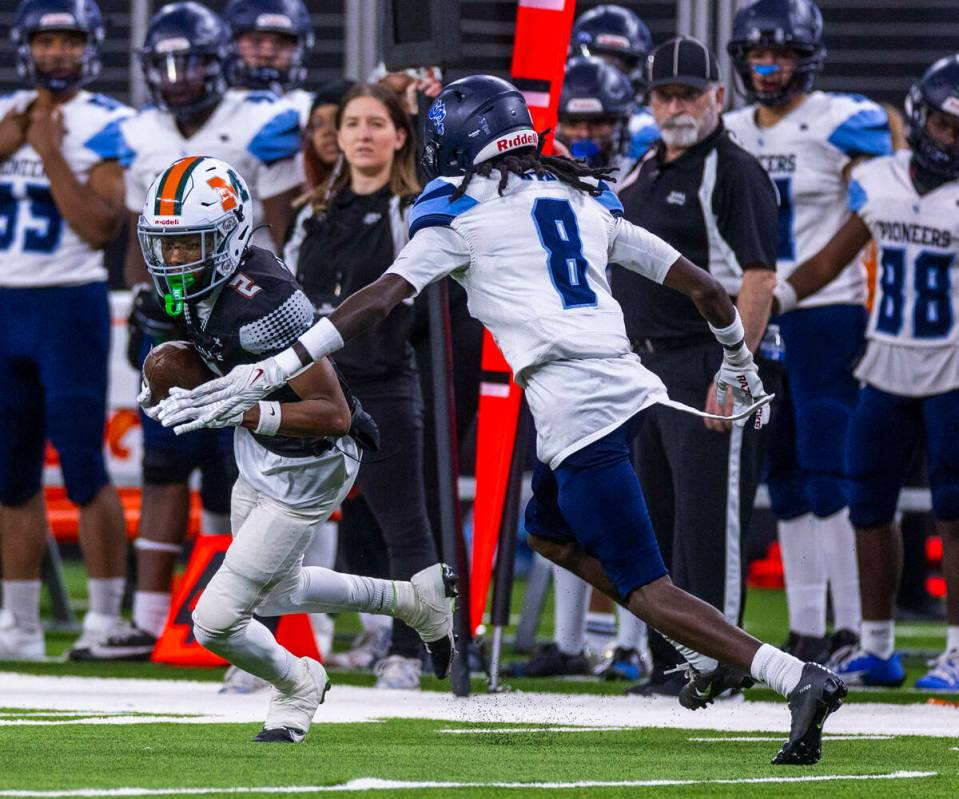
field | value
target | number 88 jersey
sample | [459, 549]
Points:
[912, 329]
[31, 226]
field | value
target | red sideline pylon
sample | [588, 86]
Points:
[177, 645]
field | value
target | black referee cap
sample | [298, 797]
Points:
[683, 60]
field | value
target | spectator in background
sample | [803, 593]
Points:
[356, 230]
[701, 192]
[320, 149]
[272, 39]
[62, 199]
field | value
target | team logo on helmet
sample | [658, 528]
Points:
[436, 115]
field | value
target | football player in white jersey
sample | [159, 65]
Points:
[907, 204]
[808, 141]
[61, 202]
[272, 38]
[529, 237]
[186, 53]
[298, 452]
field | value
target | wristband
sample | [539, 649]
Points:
[270, 416]
[319, 341]
[785, 296]
[732, 335]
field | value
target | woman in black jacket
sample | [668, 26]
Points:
[358, 225]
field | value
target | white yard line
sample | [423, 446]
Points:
[499, 730]
[374, 784]
[764, 738]
[347, 704]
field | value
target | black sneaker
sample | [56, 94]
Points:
[808, 648]
[130, 643]
[819, 693]
[549, 661]
[664, 681]
[279, 735]
[704, 688]
[841, 639]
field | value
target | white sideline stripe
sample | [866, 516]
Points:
[95, 718]
[490, 730]
[825, 738]
[375, 784]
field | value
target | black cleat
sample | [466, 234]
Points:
[443, 650]
[808, 648]
[279, 735]
[664, 681]
[840, 640]
[819, 693]
[703, 688]
[549, 661]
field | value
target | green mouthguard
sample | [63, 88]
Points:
[173, 301]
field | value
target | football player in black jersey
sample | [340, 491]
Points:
[298, 451]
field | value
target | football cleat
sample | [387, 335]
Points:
[818, 693]
[279, 735]
[432, 618]
[294, 711]
[705, 688]
[841, 639]
[665, 680]
[398, 673]
[943, 674]
[807, 648]
[127, 643]
[549, 661]
[858, 667]
[626, 664]
[18, 643]
[369, 647]
[97, 630]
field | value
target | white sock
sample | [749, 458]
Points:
[805, 575]
[214, 523]
[779, 671]
[150, 611]
[837, 542]
[878, 638]
[105, 595]
[600, 630]
[952, 638]
[320, 590]
[633, 633]
[571, 598]
[21, 598]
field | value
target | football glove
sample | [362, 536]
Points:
[147, 320]
[218, 402]
[739, 375]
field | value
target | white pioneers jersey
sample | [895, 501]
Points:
[37, 245]
[257, 133]
[533, 263]
[913, 347]
[302, 101]
[805, 154]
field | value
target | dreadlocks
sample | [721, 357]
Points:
[564, 170]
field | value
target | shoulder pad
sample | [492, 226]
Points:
[860, 126]
[279, 138]
[434, 208]
[608, 199]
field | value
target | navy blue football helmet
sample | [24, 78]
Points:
[185, 58]
[35, 16]
[936, 90]
[473, 120]
[792, 24]
[595, 90]
[610, 30]
[286, 17]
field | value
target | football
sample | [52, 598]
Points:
[174, 363]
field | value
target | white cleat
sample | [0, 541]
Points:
[17, 643]
[398, 673]
[368, 648]
[237, 681]
[432, 617]
[290, 715]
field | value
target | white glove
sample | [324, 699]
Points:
[218, 402]
[739, 374]
[145, 400]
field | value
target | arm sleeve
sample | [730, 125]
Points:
[431, 254]
[747, 212]
[640, 251]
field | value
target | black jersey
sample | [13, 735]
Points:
[258, 313]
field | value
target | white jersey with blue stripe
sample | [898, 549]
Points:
[805, 153]
[256, 132]
[533, 263]
[37, 245]
[913, 331]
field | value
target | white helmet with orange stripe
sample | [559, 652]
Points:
[196, 223]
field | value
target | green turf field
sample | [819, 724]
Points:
[131, 749]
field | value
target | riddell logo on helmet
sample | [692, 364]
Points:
[167, 221]
[524, 139]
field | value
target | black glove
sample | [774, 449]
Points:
[147, 320]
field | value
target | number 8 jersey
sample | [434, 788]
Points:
[31, 227]
[912, 329]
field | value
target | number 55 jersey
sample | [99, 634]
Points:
[912, 349]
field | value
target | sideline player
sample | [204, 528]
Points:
[907, 203]
[61, 202]
[298, 451]
[529, 237]
[808, 141]
[185, 57]
[272, 38]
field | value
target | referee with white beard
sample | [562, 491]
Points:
[701, 192]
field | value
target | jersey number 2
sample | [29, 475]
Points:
[932, 314]
[558, 232]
